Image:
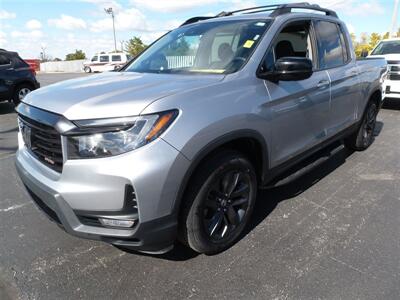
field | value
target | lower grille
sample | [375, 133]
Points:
[43, 141]
[395, 68]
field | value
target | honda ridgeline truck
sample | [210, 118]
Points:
[175, 145]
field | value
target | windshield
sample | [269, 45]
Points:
[212, 47]
[388, 47]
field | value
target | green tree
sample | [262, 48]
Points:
[386, 36]
[79, 54]
[178, 48]
[374, 39]
[135, 46]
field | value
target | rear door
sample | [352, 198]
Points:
[298, 110]
[6, 79]
[334, 57]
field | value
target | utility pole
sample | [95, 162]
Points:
[393, 30]
[122, 45]
[43, 53]
[110, 11]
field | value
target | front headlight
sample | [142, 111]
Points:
[110, 138]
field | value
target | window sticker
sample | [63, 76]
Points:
[248, 44]
[260, 24]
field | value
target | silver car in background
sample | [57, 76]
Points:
[175, 145]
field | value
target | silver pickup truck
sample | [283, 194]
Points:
[174, 146]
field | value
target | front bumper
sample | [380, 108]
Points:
[391, 89]
[93, 187]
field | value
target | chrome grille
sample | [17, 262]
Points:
[43, 141]
[394, 77]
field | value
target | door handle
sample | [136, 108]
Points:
[322, 83]
[303, 100]
[353, 73]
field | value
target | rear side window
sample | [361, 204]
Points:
[330, 49]
[4, 60]
[104, 58]
[19, 62]
[116, 58]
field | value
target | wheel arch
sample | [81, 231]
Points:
[249, 142]
[22, 82]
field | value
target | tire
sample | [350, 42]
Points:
[20, 92]
[218, 203]
[87, 70]
[364, 136]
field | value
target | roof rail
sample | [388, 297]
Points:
[277, 10]
[287, 8]
[196, 19]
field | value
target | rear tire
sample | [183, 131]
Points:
[20, 92]
[364, 136]
[218, 203]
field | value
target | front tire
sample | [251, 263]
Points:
[364, 136]
[219, 202]
[20, 93]
[87, 70]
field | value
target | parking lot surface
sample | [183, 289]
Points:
[330, 231]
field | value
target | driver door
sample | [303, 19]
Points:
[298, 111]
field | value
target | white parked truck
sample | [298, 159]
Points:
[390, 50]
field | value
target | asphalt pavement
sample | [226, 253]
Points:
[328, 232]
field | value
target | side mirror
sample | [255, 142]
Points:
[289, 69]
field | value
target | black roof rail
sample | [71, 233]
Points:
[287, 8]
[277, 10]
[196, 19]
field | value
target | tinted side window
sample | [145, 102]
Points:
[330, 51]
[294, 40]
[104, 58]
[4, 60]
[95, 58]
[116, 58]
[19, 62]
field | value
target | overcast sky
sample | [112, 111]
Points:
[61, 26]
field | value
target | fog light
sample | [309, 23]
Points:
[117, 223]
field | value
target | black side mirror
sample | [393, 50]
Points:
[289, 69]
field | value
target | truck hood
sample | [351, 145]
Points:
[113, 94]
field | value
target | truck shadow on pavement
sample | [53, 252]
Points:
[294, 182]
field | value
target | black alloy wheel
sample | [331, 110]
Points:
[218, 203]
[226, 204]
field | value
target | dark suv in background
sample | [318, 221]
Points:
[17, 78]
